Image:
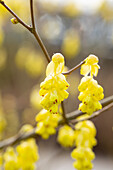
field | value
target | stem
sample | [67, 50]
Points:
[95, 114]
[77, 113]
[19, 20]
[74, 68]
[32, 14]
[35, 33]
[64, 114]
[17, 138]
[31, 29]
[107, 102]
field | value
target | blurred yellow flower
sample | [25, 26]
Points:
[70, 9]
[71, 44]
[106, 11]
[30, 60]
[35, 99]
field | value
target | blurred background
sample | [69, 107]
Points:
[75, 28]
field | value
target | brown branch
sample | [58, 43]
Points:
[107, 102]
[95, 114]
[64, 113]
[32, 14]
[17, 138]
[19, 20]
[31, 29]
[74, 68]
[76, 113]
[36, 35]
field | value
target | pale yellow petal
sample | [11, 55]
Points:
[94, 69]
[85, 69]
[50, 68]
[59, 68]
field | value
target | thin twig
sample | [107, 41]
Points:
[31, 29]
[17, 138]
[107, 102]
[76, 113]
[64, 113]
[74, 68]
[36, 35]
[19, 20]
[95, 114]
[32, 14]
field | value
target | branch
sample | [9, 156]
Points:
[32, 14]
[19, 20]
[74, 68]
[63, 113]
[77, 113]
[107, 102]
[36, 35]
[17, 138]
[31, 29]
[95, 114]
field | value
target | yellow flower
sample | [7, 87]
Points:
[53, 88]
[47, 123]
[66, 136]
[56, 66]
[90, 94]
[90, 66]
[84, 141]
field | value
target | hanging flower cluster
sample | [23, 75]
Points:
[47, 123]
[53, 88]
[66, 136]
[85, 140]
[15, 159]
[90, 91]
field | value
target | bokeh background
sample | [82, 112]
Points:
[76, 28]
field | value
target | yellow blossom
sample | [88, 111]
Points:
[53, 88]
[46, 123]
[90, 66]
[66, 136]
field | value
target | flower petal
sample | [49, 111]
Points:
[85, 69]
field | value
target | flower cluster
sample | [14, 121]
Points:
[90, 91]
[47, 123]
[66, 136]
[53, 88]
[85, 140]
[27, 150]
[15, 159]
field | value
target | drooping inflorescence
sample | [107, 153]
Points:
[85, 140]
[53, 88]
[66, 136]
[90, 91]
[23, 156]
[46, 123]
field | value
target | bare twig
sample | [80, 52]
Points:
[76, 113]
[107, 102]
[19, 20]
[17, 138]
[63, 113]
[74, 68]
[32, 14]
[31, 29]
[36, 35]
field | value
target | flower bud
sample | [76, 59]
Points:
[14, 20]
